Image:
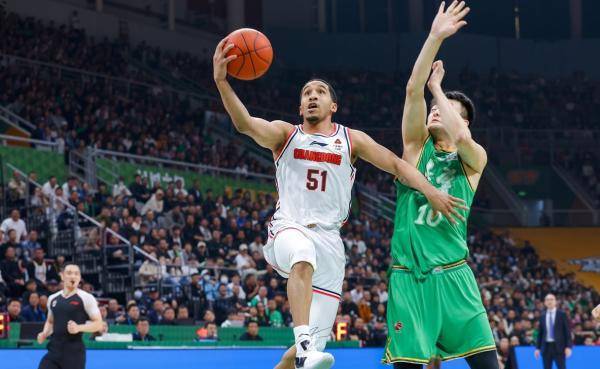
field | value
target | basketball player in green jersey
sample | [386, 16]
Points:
[435, 308]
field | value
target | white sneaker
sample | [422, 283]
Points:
[314, 360]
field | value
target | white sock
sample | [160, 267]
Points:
[301, 334]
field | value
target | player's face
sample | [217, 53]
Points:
[71, 277]
[316, 103]
[434, 119]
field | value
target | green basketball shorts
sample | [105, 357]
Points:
[439, 316]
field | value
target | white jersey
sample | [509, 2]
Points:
[314, 178]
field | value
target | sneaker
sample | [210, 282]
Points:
[314, 360]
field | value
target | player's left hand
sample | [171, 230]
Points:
[596, 313]
[568, 352]
[72, 327]
[448, 21]
[437, 76]
[447, 205]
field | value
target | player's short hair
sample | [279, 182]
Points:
[466, 102]
[334, 97]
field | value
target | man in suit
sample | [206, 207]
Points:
[554, 336]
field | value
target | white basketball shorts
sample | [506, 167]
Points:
[290, 243]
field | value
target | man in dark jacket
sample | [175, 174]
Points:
[554, 336]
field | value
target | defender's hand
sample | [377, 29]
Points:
[448, 22]
[437, 75]
[220, 61]
[447, 205]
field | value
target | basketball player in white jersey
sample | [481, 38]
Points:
[314, 177]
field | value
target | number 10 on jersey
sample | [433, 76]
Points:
[313, 177]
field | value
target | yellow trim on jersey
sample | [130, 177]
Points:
[462, 165]
[444, 267]
[422, 150]
[471, 352]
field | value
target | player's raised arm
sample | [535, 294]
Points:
[446, 23]
[267, 134]
[367, 149]
[457, 125]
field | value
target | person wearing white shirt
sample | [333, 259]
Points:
[14, 222]
[120, 189]
[50, 187]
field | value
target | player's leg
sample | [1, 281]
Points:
[287, 360]
[48, 363]
[465, 330]
[483, 360]
[294, 253]
[413, 320]
[407, 366]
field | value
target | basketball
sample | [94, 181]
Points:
[254, 52]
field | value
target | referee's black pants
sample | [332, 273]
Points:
[64, 355]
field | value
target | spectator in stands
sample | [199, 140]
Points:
[244, 262]
[14, 311]
[70, 186]
[224, 304]
[30, 245]
[251, 333]
[49, 188]
[155, 313]
[196, 192]
[261, 315]
[359, 331]
[261, 297]
[155, 203]
[113, 310]
[142, 330]
[139, 190]
[32, 311]
[275, 317]
[131, 317]
[12, 273]
[13, 222]
[207, 333]
[120, 189]
[168, 316]
[37, 268]
[17, 190]
[183, 316]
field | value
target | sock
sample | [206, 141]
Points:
[301, 334]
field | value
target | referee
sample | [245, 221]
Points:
[70, 313]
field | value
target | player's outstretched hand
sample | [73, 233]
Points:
[448, 22]
[437, 75]
[447, 205]
[220, 61]
[596, 313]
[72, 327]
[41, 337]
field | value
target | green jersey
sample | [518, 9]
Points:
[422, 242]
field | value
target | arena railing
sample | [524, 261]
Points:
[148, 160]
[6, 140]
[74, 240]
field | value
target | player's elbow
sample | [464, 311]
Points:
[412, 90]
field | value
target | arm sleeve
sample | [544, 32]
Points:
[90, 304]
[49, 304]
[568, 338]
[540, 332]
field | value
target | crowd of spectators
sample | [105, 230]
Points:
[214, 274]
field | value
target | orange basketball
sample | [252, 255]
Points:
[254, 52]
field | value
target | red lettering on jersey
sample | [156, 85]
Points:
[76, 303]
[318, 156]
